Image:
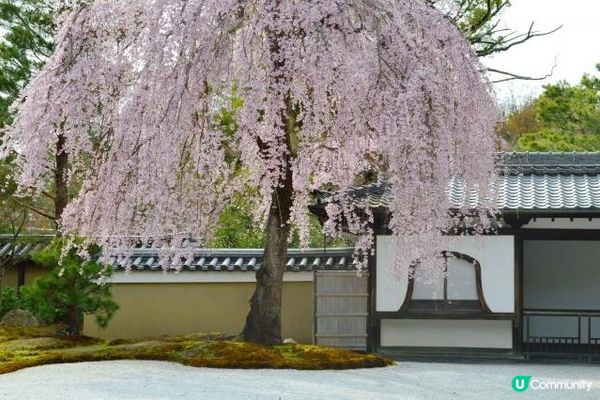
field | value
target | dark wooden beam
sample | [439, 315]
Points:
[21, 271]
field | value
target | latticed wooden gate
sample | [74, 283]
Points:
[341, 309]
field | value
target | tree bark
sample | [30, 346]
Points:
[60, 179]
[263, 323]
[74, 321]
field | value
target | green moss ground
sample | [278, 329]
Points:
[27, 347]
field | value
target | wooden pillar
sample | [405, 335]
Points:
[518, 321]
[20, 275]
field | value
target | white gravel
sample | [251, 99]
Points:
[151, 380]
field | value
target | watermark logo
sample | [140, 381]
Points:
[520, 383]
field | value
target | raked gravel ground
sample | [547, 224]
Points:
[151, 380]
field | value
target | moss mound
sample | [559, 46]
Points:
[27, 347]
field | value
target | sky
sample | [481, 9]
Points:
[575, 47]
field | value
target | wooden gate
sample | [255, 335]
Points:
[341, 309]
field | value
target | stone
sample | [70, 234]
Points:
[289, 341]
[19, 318]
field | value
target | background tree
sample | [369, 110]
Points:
[518, 120]
[563, 118]
[572, 109]
[12, 222]
[551, 140]
[27, 27]
[480, 23]
[26, 43]
[330, 89]
[236, 228]
[71, 289]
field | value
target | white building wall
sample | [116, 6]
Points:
[446, 333]
[561, 274]
[494, 253]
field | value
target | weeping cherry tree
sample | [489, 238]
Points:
[330, 89]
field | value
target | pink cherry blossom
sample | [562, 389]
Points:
[376, 85]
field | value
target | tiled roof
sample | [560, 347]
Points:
[541, 192]
[148, 258]
[526, 181]
[238, 260]
[23, 245]
[548, 163]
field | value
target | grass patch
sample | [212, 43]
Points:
[28, 347]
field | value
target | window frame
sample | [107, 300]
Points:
[445, 306]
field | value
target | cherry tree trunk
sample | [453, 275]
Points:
[263, 323]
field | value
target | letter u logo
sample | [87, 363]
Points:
[520, 383]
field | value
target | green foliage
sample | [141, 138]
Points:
[26, 28]
[317, 238]
[226, 118]
[8, 187]
[70, 290]
[10, 301]
[563, 118]
[571, 109]
[549, 140]
[26, 43]
[477, 19]
[519, 120]
[237, 229]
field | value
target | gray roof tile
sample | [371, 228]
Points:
[238, 260]
[147, 258]
[548, 163]
[23, 246]
[526, 181]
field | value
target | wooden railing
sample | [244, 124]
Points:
[581, 340]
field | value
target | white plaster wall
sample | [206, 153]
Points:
[494, 253]
[446, 333]
[391, 289]
[561, 275]
[563, 223]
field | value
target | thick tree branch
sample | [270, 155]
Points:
[509, 76]
[36, 210]
[479, 22]
[48, 195]
[499, 47]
